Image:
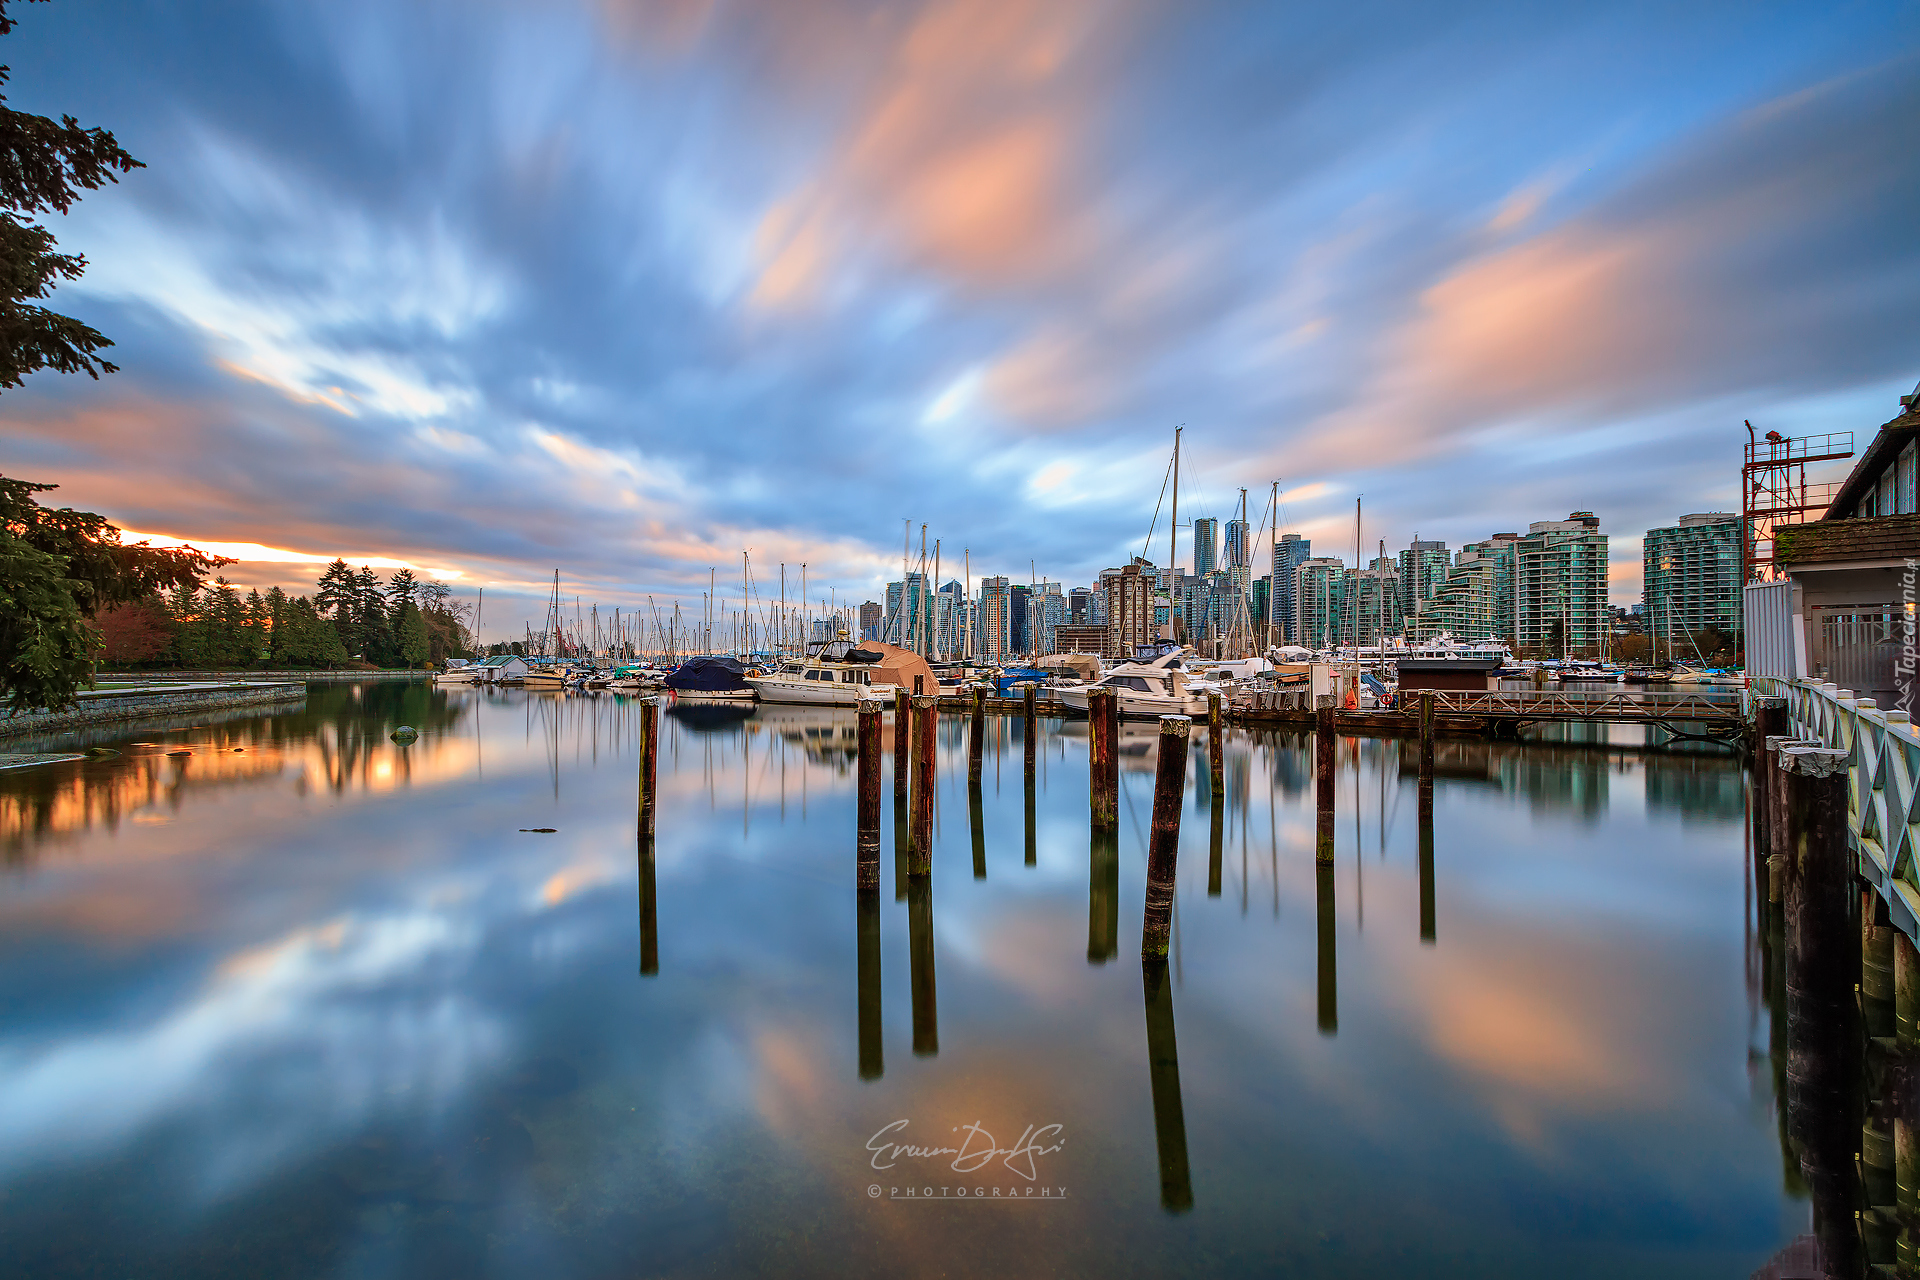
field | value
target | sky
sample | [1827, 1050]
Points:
[620, 289]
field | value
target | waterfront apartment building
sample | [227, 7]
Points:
[1288, 554]
[1465, 606]
[1693, 575]
[1423, 567]
[1130, 607]
[1376, 604]
[1560, 586]
[1206, 542]
[1320, 596]
[993, 627]
[871, 615]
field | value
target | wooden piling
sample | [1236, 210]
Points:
[1216, 743]
[1163, 1069]
[902, 741]
[926, 719]
[926, 1009]
[649, 709]
[872, 1053]
[1323, 779]
[649, 912]
[1031, 726]
[868, 875]
[1103, 770]
[1163, 852]
[1032, 851]
[1876, 963]
[1906, 1131]
[1769, 722]
[1823, 1066]
[977, 732]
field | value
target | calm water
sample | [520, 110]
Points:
[283, 998]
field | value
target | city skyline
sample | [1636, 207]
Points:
[421, 318]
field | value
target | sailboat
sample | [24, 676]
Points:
[548, 672]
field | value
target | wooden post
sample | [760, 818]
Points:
[1216, 744]
[977, 732]
[1032, 729]
[926, 717]
[649, 912]
[1163, 1069]
[649, 763]
[902, 742]
[872, 1054]
[1906, 1132]
[1103, 770]
[1769, 722]
[1163, 853]
[926, 1009]
[1323, 779]
[868, 876]
[1876, 963]
[1822, 961]
[1103, 897]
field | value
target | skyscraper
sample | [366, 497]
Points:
[1288, 553]
[1206, 539]
[870, 617]
[993, 639]
[1423, 567]
[1130, 608]
[1239, 549]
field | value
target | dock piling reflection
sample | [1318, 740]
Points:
[926, 1011]
[1103, 897]
[649, 912]
[1163, 1065]
[977, 822]
[1329, 981]
[872, 1053]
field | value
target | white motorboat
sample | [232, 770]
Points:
[1144, 689]
[839, 674]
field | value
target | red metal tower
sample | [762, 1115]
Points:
[1774, 491]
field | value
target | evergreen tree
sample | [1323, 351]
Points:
[400, 589]
[274, 613]
[43, 168]
[411, 635]
[373, 631]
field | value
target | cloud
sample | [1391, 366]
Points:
[639, 283]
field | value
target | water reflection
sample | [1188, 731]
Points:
[322, 1006]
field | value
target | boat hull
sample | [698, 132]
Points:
[1135, 705]
[817, 693]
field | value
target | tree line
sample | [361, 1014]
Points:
[352, 616]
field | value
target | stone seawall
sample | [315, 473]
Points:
[110, 706]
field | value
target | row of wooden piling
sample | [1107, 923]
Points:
[1844, 987]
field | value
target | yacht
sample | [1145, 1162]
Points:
[1156, 688]
[841, 674]
[710, 679]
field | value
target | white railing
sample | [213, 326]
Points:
[1883, 782]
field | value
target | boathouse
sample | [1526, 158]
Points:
[1472, 675]
[1844, 611]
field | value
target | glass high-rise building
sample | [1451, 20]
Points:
[1693, 576]
[1206, 544]
[1288, 553]
[1560, 586]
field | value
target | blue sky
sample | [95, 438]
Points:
[623, 288]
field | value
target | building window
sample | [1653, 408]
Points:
[1908, 501]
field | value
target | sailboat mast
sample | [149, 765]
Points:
[1173, 529]
[939, 653]
[966, 603]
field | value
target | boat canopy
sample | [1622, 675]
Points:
[708, 675]
[894, 665]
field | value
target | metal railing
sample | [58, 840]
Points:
[1594, 704]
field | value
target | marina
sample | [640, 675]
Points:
[706, 1073]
